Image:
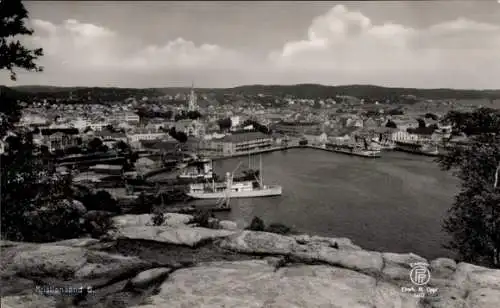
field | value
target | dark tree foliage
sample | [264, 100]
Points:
[225, 124]
[158, 218]
[257, 126]
[191, 115]
[37, 203]
[31, 193]
[122, 146]
[95, 145]
[99, 201]
[391, 124]
[13, 54]
[422, 128]
[483, 120]
[204, 218]
[396, 111]
[145, 113]
[279, 228]
[10, 111]
[431, 116]
[179, 136]
[303, 142]
[256, 224]
[474, 219]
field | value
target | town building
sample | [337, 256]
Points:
[297, 129]
[60, 141]
[128, 117]
[192, 128]
[112, 137]
[145, 134]
[240, 143]
[98, 126]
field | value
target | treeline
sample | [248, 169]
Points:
[368, 92]
[307, 91]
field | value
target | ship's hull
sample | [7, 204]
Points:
[367, 154]
[384, 146]
[355, 152]
[260, 192]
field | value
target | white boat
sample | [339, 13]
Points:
[354, 150]
[386, 145]
[230, 189]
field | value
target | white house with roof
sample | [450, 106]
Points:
[145, 134]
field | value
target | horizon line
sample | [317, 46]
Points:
[253, 85]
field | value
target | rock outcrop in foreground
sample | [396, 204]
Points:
[179, 265]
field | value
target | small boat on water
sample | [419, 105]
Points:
[234, 189]
[384, 144]
[421, 148]
[354, 149]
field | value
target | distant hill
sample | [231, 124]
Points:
[12, 93]
[299, 90]
[44, 89]
[365, 91]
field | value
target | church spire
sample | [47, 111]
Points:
[192, 99]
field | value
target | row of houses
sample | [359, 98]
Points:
[236, 144]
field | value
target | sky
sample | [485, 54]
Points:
[423, 44]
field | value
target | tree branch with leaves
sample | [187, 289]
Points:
[13, 54]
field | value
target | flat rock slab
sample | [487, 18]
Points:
[484, 298]
[397, 266]
[254, 242]
[146, 278]
[171, 219]
[65, 262]
[28, 301]
[77, 242]
[256, 284]
[473, 277]
[177, 236]
[341, 242]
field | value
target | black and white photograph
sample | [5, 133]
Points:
[253, 154]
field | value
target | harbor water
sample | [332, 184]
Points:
[395, 203]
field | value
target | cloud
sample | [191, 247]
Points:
[341, 47]
[350, 44]
[88, 47]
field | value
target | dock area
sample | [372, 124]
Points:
[342, 152]
[267, 150]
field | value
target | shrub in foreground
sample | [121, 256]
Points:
[205, 219]
[257, 224]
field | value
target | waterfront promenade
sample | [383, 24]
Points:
[284, 148]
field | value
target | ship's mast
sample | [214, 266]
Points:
[260, 170]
